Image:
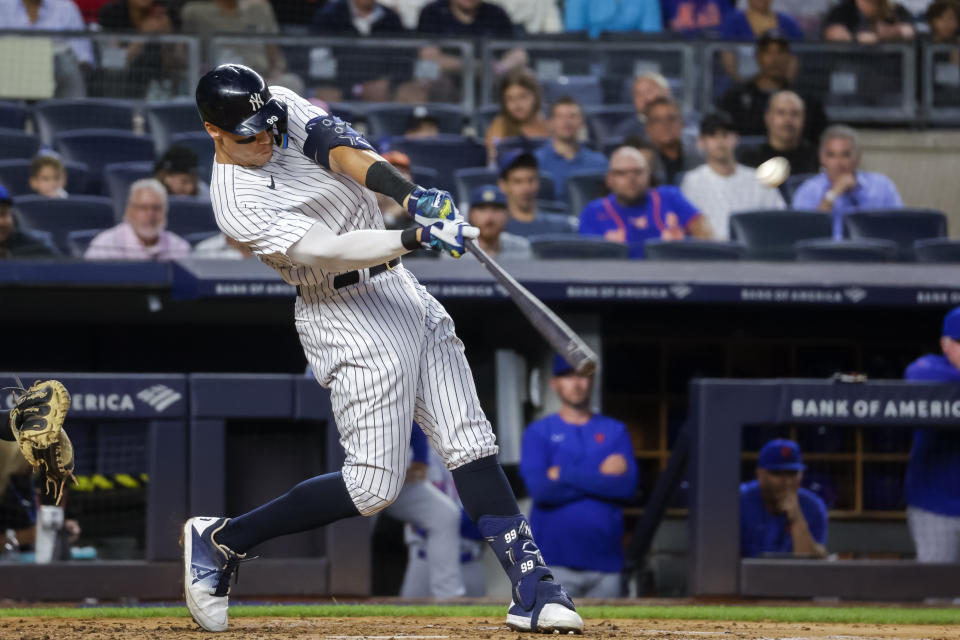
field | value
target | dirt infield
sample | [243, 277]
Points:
[382, 628]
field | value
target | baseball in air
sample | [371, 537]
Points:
[774, 171]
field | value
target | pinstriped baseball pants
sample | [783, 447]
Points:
[388, 352]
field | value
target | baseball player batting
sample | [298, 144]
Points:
[288, 183]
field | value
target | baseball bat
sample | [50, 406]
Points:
[556, 332]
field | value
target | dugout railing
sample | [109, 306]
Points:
[721, 408]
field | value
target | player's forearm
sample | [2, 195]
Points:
[803, 541]
[326, 250]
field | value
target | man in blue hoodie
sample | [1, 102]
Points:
[578, 466]
[933, 473]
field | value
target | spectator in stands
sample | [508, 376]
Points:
[641, 144]
[563, 154]
[943, 20]
[933, 473]
[14, 242]
[579, 467]
[664, 127]
[868, 22]
[777, 68]
[395, 215]
[841, 187]
[142, 235]
[647, 87]
[784, 120]
[208, 17]
[807, 13]
[520, 183]
[534, 16]
[421, 124]
[48, 176]
[777, 515]
[178, 171]
[356, 18]
[722, 186]
[470, 18]
[634, 213]
[694, 16]
[597, 16]
[71, 59]
[221, 247]
[488, 212]
[520, 111]
[751, 23]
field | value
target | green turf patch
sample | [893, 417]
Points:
[840, 615]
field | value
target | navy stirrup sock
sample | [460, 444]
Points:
[484, 490]
[312, 503]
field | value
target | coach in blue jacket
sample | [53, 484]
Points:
[933, 473]
[577, 464]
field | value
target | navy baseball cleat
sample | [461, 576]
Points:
[552, 611]
[208, 569]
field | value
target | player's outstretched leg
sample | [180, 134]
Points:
[539, 602]
[213, 547]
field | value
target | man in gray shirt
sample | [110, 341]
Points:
[488, 212]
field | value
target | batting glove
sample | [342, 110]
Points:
[446, 235]
[432, 203]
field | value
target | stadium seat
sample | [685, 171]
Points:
[14, 143]
[99, 147]
[770, 235]
[513, 143]
[79, 241]
[903, 226]
[469, 179]
[201, 144]
[423, 175]
[846, 250]
[118, 176]
[586, 89]
[661, 250]
[603, 120]
[939, 250]
[187, 216]
[584, 186]
[391, 119]
[57, 116]
[444, 153]
[573, 247]
[13, 115]
[484, 116]
[168, 118]
[61, 216]
[790, 186]
[552, 224]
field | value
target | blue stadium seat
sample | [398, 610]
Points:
[846, 250]
[484, 116]
[78, 177]
[14, 143]
[574, 247]
[584, 186]
[201, 144]
[187, 216]
[117, 178]
[513, 143]
[552, 224]
[79, 241]
[168, 118]
[691, 249]
[770, 235]
[15, 176]
[57, 116]
[903, 226]
[790, 186]
[939, 250]
[469, 179]
[13, 115]
[99, 147]
[391, 119]
[423, 175]
[585, 89]
[603, 120]
[444, 153]
[61, 216]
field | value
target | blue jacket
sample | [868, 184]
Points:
[575, 521]
[762, 532]
[933, 473]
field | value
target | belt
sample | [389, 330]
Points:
[353, 277]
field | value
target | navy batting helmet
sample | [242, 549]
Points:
[236, 99]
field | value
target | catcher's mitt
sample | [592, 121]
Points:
[37, 424]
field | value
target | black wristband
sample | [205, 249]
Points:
[408, 238]
[384, 178]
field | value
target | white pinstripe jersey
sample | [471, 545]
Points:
[270, 208]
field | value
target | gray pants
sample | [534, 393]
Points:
[936, 537]
[424, 506]
[580, 583]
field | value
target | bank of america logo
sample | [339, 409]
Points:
[159, 396]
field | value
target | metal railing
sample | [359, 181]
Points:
[941, 83]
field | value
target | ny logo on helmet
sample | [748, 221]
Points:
[255, 101]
